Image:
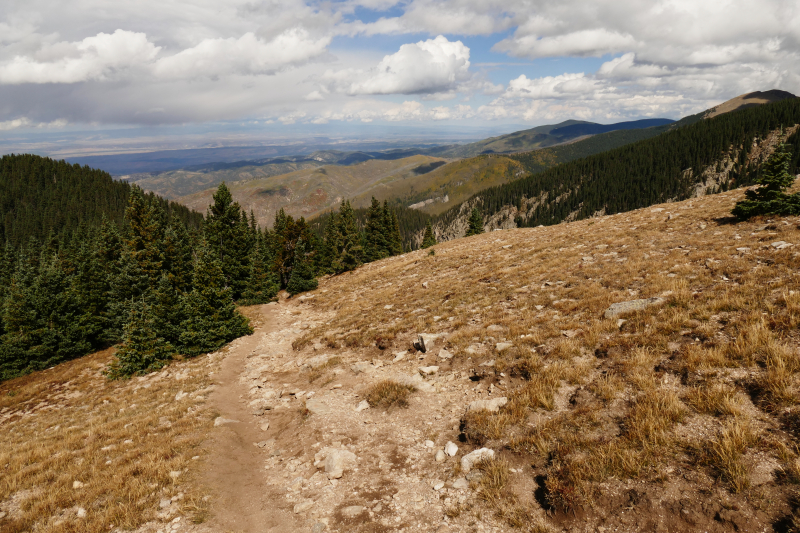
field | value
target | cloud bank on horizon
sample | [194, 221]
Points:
[97, 62]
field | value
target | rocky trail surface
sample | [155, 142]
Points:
[299, 449]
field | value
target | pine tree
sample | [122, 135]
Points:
[429, 239]
[263, 285]
[166, 310]
[227, 233]
[211, 315]
[142, 350]
[770, 197]
[475, 223]
[177, 249]
[303, 278]
[351, 253]
[145, 233]
[375, 234]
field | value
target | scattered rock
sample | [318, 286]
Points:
[451, 449]
[429, 444]
[77, 485]
[352, 511]
[317, 406]
[416, 381]
[472, 349]
[424, 284]
[164, 503]
[175, 474]
[473, 457]
[438, 485]
[502, 346]
[496, 328]
[440, 456]
[388, 306]
[362, 406]
[318, 361]
[220, 421]
[630, 306]
[492, 405]
[445, 355]
[319, 527]
[181, 395]
[781, 245]
[490, 362]
[425, 341]
[335, 461]
[461, 483]
[399, 356]
[81, 513]
[428, 370]
[264, 426]
[303, 506]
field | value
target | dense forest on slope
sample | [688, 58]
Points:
[40, 196]
[643, 173]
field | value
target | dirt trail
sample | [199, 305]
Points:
[243, 500]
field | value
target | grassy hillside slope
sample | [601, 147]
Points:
[310, 192]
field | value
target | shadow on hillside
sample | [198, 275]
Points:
[726, 221]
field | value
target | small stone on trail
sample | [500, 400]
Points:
[424, 284]
[164, 503]
[317, 406]
[220, 421]
[440, 456]
[399, 356]
[444, 354]
[319, 527]
[362, 406]
[428, 370]
[352, 511]
[492, 405]
[630, 306]
[81, 512]
[473, 457]
[451, 449]
[502, 346]
[429, 444]
[461, 483]
[303, 506]
[438, 485]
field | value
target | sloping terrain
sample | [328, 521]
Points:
[748, 100]
[676, 411]
[311, 192]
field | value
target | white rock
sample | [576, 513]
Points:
[492, 405]
[780, 245]
[220, 421]
[461, 483]
[352, 511]
[77, 485]
[81, 513]
[451, 449]
[444, 354]
[428, 370]
[440, 456]
[429, 444]
[416, 381]
[399, 356]
[175, 474]
[164, 503]
[502, 346]
[469, 460]
[303, 506]
[181, 395]
[335, 461]
[438, 485]
[630, 306]
[362, 406]
[264, 426]
[388, 306]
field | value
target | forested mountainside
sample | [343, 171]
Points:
[40, 196]
[703, 157]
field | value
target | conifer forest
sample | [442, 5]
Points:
[102, 263]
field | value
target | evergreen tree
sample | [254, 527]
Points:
[303, 278]
[166, 310]
[429, 239]
[177, 249]
[142, 242]
[770, 197]
[142, 350]
[263, 285]
[395, 239]
[376, 234]
[475, 223]
[211, 315]
[350, 254]
[227, 233]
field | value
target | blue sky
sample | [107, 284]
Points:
[283, 66]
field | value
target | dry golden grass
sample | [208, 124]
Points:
[70, 439]
[732, 305]
[388, 393]
[726, 450]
